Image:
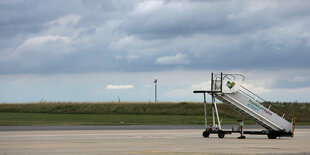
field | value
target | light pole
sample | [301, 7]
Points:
[155, 82]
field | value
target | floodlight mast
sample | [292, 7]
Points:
[155, 82]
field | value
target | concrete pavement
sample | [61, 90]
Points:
[172, 141]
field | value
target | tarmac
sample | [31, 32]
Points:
[125, 127]
[147, 141]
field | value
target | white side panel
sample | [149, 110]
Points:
[257, 111]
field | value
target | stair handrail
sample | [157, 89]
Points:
[227, 76]
[251, 94]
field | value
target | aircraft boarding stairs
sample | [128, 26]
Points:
[227, 88]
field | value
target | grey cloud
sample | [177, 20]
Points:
[183, 18]
[77, 62]
[292, 81]
[177, 18]
[28, 17]
[179, 58]
[291, 84]
[212, 34]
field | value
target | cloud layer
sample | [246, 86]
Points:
[119, 87]
[269, 41]
[42, 37]
[179, 58]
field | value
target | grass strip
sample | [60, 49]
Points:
[64, 113]
[19, 119]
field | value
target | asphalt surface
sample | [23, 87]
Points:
[125, 127]
[144, 142]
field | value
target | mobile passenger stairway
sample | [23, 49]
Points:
[227, 88]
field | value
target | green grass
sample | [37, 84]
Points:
[132, 113]
[99, 119]
[106, 108]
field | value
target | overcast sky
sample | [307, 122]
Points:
[75, 50]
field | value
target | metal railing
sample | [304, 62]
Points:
[250, 94]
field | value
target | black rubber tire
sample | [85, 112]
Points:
[272, 135]
[221, 134]
[206, 134]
